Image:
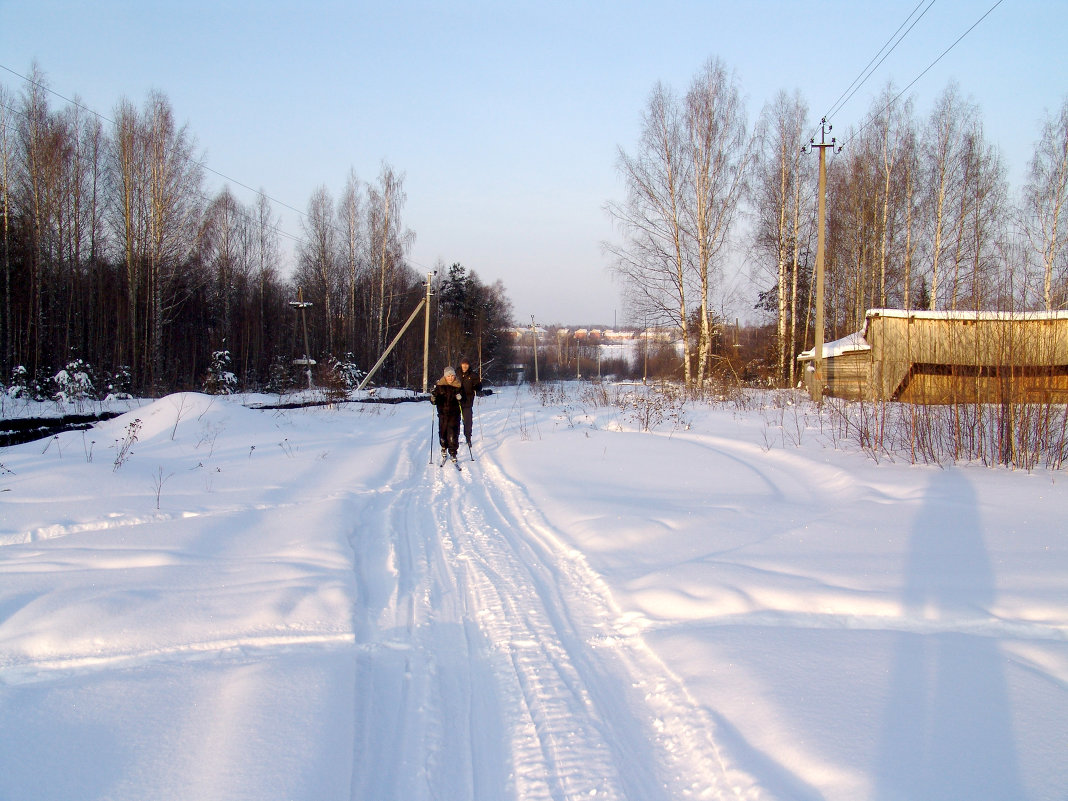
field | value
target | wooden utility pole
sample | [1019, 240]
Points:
[534, 333]
[301, 304]
[816, 384]
[426, 331]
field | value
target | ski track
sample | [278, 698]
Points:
[483, 638]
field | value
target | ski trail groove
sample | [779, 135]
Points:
[662, 740]
[492, 663]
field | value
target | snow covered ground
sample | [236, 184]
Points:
[294, 604]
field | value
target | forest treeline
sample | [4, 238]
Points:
[920, 215]
[116, 258]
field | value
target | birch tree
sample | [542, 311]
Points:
[1045, 207]
[388, 242]
[781, 194]
[719, 157]
[350, 216]
[943, 162]
[653, 260]
[37, 180]
[895, 136]
[128, 214]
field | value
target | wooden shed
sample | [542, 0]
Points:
[950, 357]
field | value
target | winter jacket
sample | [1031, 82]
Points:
[471, 384]
[446, 398]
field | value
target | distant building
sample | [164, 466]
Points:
[519, 332]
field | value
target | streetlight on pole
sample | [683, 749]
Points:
[302, 304]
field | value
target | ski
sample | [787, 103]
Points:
[446, 458]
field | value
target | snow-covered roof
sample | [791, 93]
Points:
[847, 344]
[968, 315]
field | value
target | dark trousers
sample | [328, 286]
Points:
[465, 412]
[449, 432]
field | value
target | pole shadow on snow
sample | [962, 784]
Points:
[947, 727]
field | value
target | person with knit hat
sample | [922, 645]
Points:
[471, 385]
[446, 397]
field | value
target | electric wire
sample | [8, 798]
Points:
[873, 116]
[868, 70]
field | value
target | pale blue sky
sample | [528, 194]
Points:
[506, 117]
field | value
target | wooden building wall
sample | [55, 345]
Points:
[962, 357]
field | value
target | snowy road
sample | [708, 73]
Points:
[302, 606]
[499, 664]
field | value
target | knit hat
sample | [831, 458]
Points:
[450, 372]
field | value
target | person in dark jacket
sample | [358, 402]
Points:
[446, 397]
[471, 384]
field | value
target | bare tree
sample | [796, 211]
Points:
[267, 258]
[388, 243]
[225, 251]
[39, 142]
[653, 260]
[129, 220]
[350, 215]
[719, 159]
[174, 191]
[894, 129]
[78, 227]
[976, 258]
[155, 187]
[780, 201]
[318, 262]
[7, 356]
[943, 156]
[1045, 206]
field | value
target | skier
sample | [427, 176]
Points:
[471, 383]
[446, 397]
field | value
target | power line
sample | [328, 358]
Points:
[869, 69]
[872, 117]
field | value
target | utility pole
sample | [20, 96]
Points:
[645, 356]
[302, 304]
[816, 385]
[534, 333]
[426, 331]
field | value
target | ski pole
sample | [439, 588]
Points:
[465, 419]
